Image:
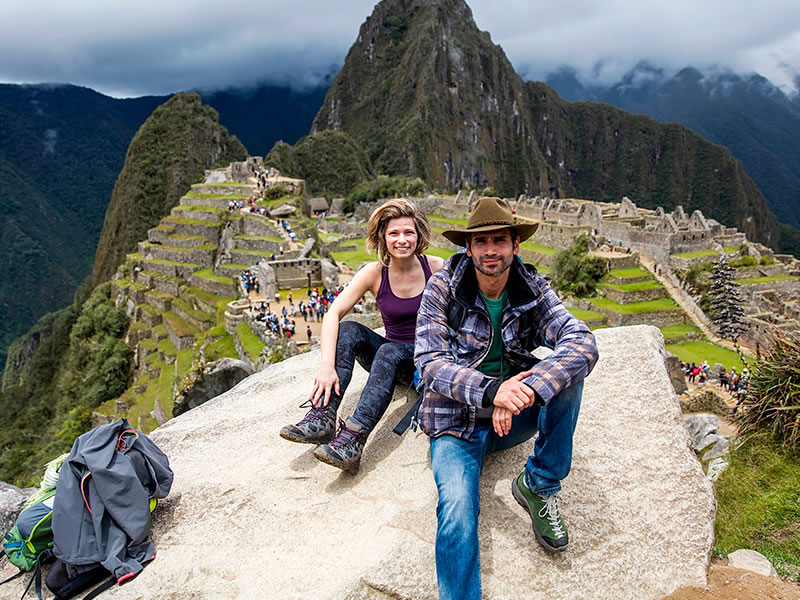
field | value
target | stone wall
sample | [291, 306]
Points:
[634, 296]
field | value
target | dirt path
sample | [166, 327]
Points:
[727, 583]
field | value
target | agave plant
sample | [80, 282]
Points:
[772, 401]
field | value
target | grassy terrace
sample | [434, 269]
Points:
[209, 274]
[440, 252]
[198, 207]
[262, 253]
[192, 194]
[159, 331]
[634, 307]
[190, 310]
[697, 254]
[250, 342]
[163, 227]
[698, 351]
[680, 331]
[167, 347]
[751, 280]
[629, 273]
[586, 315]
[180, 327]
[151, 245]
[758, 504]
[633, 287]
[449, 220]
[182, 221]
[221, 348]
[529, 245]
[259, 238]
[353, 258]
[162, 261]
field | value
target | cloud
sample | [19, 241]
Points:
[157, 47]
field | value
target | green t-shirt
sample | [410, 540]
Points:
[493, 361]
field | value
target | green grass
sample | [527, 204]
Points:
[181, 236]
[529, 245]
[191, 194]
[192, 311]
[241, 251]
[758, 504]
[353, 258]
[209, 274]
[698, 351]
[697, 254]
[260, 238]
[250, 342]
[440, 252]
[180, 327]
[167, 347]
[138, 326]
[182, 221]
[680, 331]
[730, 250]
[627, 273]
[634, 307]
[160, 331]
[161, 261]
[147, 344]
[222, 348]
[450, 220]
[751, 280]
[633, 287]
[198, 207]
[586, 315]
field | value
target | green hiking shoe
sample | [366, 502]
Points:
[548, 526]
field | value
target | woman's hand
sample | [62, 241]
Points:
[325, 380]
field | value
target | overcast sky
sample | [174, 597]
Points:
[163, 46]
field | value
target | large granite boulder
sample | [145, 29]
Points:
[12, 500]
[251, 514]
[215, 379]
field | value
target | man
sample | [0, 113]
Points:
[485, 391]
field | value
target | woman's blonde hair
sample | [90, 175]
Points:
[379, 221]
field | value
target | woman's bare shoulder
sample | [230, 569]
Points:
[436, 263]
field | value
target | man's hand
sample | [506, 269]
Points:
[513, 395]
[501, 420]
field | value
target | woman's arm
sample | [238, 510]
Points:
[326, 380]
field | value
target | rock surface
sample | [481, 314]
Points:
[12, 499]
[751, 560]
[217, 378]
[251, 512]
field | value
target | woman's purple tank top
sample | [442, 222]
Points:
[399, 314]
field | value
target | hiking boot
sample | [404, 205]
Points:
[344, 451]
[315, 428]
[548, 526]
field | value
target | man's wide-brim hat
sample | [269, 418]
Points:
[490, 214]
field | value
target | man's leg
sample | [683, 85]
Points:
[536, 487]
[457, 466]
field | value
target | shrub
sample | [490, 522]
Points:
[575, 272]
[275, 192]
[381, 188]
[772, 401]
[744, 261]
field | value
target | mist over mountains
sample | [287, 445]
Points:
[749, 115]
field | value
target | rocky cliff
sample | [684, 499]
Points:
[428, 94]
[169, 152]
[251, 514]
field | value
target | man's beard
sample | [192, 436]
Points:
[503, 266]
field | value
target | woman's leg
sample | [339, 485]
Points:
[392, 362]
[355, 342]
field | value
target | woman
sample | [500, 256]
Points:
[399, 232]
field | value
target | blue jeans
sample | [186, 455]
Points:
[387, 362]
[457, 465]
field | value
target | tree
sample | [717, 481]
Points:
[575, 271]
[726, 301]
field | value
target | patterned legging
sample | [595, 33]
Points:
[387, 362]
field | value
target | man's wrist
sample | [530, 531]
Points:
[490, 391]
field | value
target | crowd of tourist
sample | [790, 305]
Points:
[250, 281]
[734, 383]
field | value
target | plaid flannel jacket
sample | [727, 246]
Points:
[448, 360]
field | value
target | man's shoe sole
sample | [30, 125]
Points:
[323, 456]
[524, 504]
[288, 434]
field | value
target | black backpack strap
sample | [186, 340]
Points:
[455, 317]
[108, 583]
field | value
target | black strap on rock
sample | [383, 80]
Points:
[100, 588]
[14, 576]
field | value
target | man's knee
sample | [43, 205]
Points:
[457, 510]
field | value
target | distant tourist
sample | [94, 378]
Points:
[399, 232]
